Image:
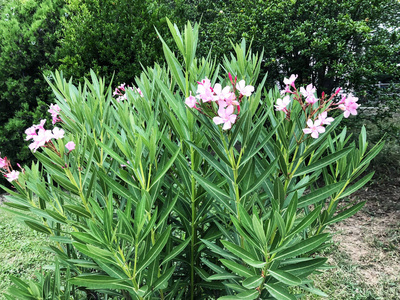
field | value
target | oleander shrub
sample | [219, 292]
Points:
[193, 183]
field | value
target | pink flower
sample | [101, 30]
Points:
[13, 175]
[41, 139]
[226, 116]
[191, 101]
[140, 92]
[291, 80]
[282, 103]
[70, 146]
[205, 91]
[3, 162]
[308, 93]
[58, 133]
[349, 105]
[31, 131]
[55, 111]
[243, 89]
[119, 89]
[220, 94]
[41, 124]
[231, 100]
[324, 120]
[314, 128]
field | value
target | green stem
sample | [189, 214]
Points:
[193, 227]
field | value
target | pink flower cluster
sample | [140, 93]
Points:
[316, 116]
[227, 100]
[41, 136]
[7, 171]
[54, 110]
[120, 91]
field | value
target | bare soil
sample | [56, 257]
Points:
[371, 238]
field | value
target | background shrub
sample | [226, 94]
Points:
[29, 32]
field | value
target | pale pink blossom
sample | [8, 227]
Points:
[314, 128]
[191, 101]
[231, 100]
[349, 105]
[41, 124]
[243, 89]
[282, 103]
[31, 131]
[119, 89]
[220, 94]
[324, 119]
[58, 133]
[308, 93]
[13, 175]
[3, 162]
[226, 117]
[140, 92]
[41, 139]
[290, 81]
[204, 90]
[70, 146]
[54, 110]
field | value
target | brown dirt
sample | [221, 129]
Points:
[371, 238]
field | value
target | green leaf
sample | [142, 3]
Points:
[78, 210]
[213, 162]
[371, 154]
[304, 267]
[163, 279]
[223, 276]
[218, 250]
[358, 185]
[253, 282]
[261, 179]
[346, 214]
[320, 194]
[237, 268]
[102, 282]
[155, 250]
[258, 230]
[164, 170]
[248, 295]
[176, 251]
[116, 187]
[306, 221]
[279, 292]
[314, 291]
[327, 160]
[215, 192]
[38, 227]
[303, 247]
[255, 263]
[238, 251]
[230, 297]
[285, 277]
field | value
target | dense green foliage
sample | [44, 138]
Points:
[29, 31]
[350, 43]
[110, 36]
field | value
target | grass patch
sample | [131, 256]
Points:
[347, 281]
[21, 252]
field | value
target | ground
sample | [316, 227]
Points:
[366, 249]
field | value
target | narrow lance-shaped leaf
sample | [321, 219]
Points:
[324, 161]
[155, 250]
